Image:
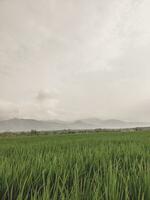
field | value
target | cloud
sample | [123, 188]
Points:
[45, 95]
[8, 110]
[140, 111]
[43, 106]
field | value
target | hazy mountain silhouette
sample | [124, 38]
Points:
[89, 123]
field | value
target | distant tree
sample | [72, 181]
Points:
[33, 132]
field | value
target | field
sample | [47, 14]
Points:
[105, 165]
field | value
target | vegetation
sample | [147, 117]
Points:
[105, 165]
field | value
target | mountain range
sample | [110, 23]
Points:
[16, 125]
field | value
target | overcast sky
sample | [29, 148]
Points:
[70, 59]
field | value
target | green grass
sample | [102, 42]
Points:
[107, 166]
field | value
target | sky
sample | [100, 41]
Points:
[72, 59]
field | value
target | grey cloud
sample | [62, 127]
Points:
[44, 95]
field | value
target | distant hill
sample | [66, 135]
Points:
[89, 123]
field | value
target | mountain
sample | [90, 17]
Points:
[30, 124]
[89, 123]
[108, 124]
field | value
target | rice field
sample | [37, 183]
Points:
[96, 166]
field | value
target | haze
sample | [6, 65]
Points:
[71, 59]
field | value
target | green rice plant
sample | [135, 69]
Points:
[96, 166]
